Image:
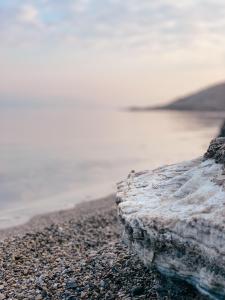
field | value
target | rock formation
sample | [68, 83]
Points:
[174, 219]
[222, 130]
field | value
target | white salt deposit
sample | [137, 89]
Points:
[179, 192]
[174, 217]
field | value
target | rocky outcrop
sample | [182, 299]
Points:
[174, 219]
[222, 130]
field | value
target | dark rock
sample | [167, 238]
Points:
[71, 298]
[137, 291]
[222, 130]
[216, 150]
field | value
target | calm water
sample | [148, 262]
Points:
[54, 159]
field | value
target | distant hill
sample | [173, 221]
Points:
[208, 99]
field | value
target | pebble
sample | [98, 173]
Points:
[71, 285]
[137, 290]
[102, 284]
[80, 258]
[71, 298]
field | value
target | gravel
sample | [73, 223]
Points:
[78, 256]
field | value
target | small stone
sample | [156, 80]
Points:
[102, 284]
[71, 298]
[38, 297]
[2, 296]
[71, 285]
[137, 291]
[83, 294]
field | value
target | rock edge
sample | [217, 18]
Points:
[174, 219]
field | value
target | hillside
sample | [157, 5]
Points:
[211, 98]
[208, 99]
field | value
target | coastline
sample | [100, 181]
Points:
[39, 222]
[174, 109]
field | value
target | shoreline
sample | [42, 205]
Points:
[40, 221]
[139, 109]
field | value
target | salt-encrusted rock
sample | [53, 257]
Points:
[216, 150]
[174, 219]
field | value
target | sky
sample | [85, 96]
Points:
[109, 52]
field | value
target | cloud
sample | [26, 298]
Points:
[29, 14]
[156, 26]
[109, 49]
[81, 6]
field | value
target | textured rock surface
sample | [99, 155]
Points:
[174, 219]
[222, 130]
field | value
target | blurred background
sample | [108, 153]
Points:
[70, 71]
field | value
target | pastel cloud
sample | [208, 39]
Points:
[133, 38]
[162, 21]
[28, 14]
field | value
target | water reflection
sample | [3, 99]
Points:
[48, 154]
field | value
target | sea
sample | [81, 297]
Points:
[54, 158]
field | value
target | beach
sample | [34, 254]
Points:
[78, 254]
[71, 253]
[106, 111]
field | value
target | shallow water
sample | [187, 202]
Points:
[53, 159]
